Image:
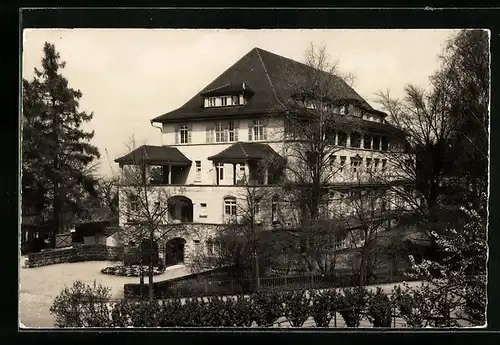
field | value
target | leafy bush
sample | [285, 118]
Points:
[144, 313]
[412, 306]
[351, 305]
[324, 306]
[171, 313]
[267, 308]
[82, 305]
[194, 313]
[297, 307]
[219, 312]
[243, 312]
[379, 308]
[119, 314]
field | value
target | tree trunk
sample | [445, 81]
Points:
[362, 267]
[150, 268]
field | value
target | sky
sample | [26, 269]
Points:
[129, 76]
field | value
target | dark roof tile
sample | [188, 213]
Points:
[154, 154]
[244, 151]
[266, 74]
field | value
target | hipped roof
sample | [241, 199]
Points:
[154, 155]
[242, 151]
[267, 75]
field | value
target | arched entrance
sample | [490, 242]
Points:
[174, 250]
[180, 209]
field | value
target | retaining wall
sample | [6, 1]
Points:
[75, 254]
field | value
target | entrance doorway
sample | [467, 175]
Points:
[174, 250]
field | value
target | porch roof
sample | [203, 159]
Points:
[243, 151]
[154, 155]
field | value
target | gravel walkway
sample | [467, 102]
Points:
[39, 286]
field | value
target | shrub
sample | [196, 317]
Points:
[194, 313]
[323, 307]
[130, 271]
[119, 315]
[144, 313]
[171, 313]
[267, 308]
[412, 306]
[243, 312]
[351, 305]
[82, 305]
[379, 308]
[297, 307]
[219, 313]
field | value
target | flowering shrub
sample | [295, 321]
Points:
[130, 271]
[324, 306]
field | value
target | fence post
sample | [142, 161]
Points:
[394, 315]
[312, 279]
[335, 319]
[205, 285]
[232, 285]
[285, 281]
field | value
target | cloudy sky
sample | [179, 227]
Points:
[127, 77]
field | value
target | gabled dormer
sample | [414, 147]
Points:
[228, 95]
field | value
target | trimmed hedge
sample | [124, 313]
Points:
[89, 306]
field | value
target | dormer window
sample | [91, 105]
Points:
[343, 110]
[223, 100]
[211, 101]
[236, 100]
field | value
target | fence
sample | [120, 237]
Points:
[63, 240]
[227, 285]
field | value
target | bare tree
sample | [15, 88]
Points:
[365, 213]
[107, 188]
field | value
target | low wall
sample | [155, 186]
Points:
[75, 254]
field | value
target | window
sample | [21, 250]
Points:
[355, 139]
[219, 132]
[133, 203]
[368, 164]
[230, 209]
[367, 140]
[274, 209]
[236, 100]
[384, 164]
[385, 144]
[232, 131]
[223, 100]
[203, 210]
[211, 101]
[342, 163]
[242, 171]
[183, 134]
[198, 170]
[376, 161]
[220, 170]
[344, 110]
[342, 139]
[355, 164]
[376, 142]
[257, 130]
[333, 161]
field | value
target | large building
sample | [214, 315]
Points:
[212, 146]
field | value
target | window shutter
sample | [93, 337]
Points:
[264, 129]
[250, 130]
[236, 129]
[176, 134]
[190, 129]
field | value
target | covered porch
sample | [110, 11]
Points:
[252, 163]
[163, 165]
